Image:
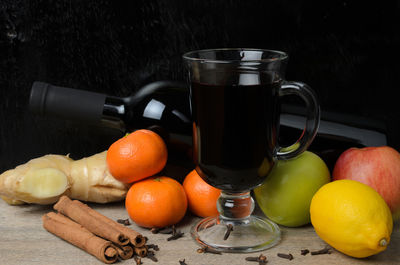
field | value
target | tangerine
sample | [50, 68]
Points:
[136, 156]
[156, 202]
[202, 197]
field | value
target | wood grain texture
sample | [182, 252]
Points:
[24, 241]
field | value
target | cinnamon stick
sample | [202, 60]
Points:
[135, 237]
[64, 228]
[94, 225]
[141, 251]
[124, 252]
[65, 220]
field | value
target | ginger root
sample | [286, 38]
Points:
[12, 201]
[45, 179]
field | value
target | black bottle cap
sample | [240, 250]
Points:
[66, 103]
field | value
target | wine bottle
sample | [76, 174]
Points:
[163, 107]
[163, 103]
[337, 132]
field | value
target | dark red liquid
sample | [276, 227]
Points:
[235, 132]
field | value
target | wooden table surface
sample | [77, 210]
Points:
[24, 241]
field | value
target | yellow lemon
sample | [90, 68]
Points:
[351, 217]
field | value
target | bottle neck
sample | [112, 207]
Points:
[114, 113]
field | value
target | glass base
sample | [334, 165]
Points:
[249, 234]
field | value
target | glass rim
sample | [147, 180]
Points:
[189, 56]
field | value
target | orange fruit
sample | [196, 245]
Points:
[156, 202]
[202, 197]
[136, 156]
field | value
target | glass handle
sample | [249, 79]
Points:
[312, 118]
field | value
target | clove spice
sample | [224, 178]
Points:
[163, 230]
[153, 246]
[124, 221]
[229, 229]
[304, 252]
[182, 262]
[321, 251]
[207, 249]
[175, 234]
[151, 255]
[252, 259]
[260, 259]
[285, 256]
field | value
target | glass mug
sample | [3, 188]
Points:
[234, 95]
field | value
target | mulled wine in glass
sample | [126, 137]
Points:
[235, 110]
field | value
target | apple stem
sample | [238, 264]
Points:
[383, 242]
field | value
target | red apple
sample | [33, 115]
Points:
[378, 167]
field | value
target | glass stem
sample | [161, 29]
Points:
[234, 207]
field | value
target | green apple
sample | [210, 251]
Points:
[286, 194]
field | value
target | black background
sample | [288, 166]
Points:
[347, 51]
